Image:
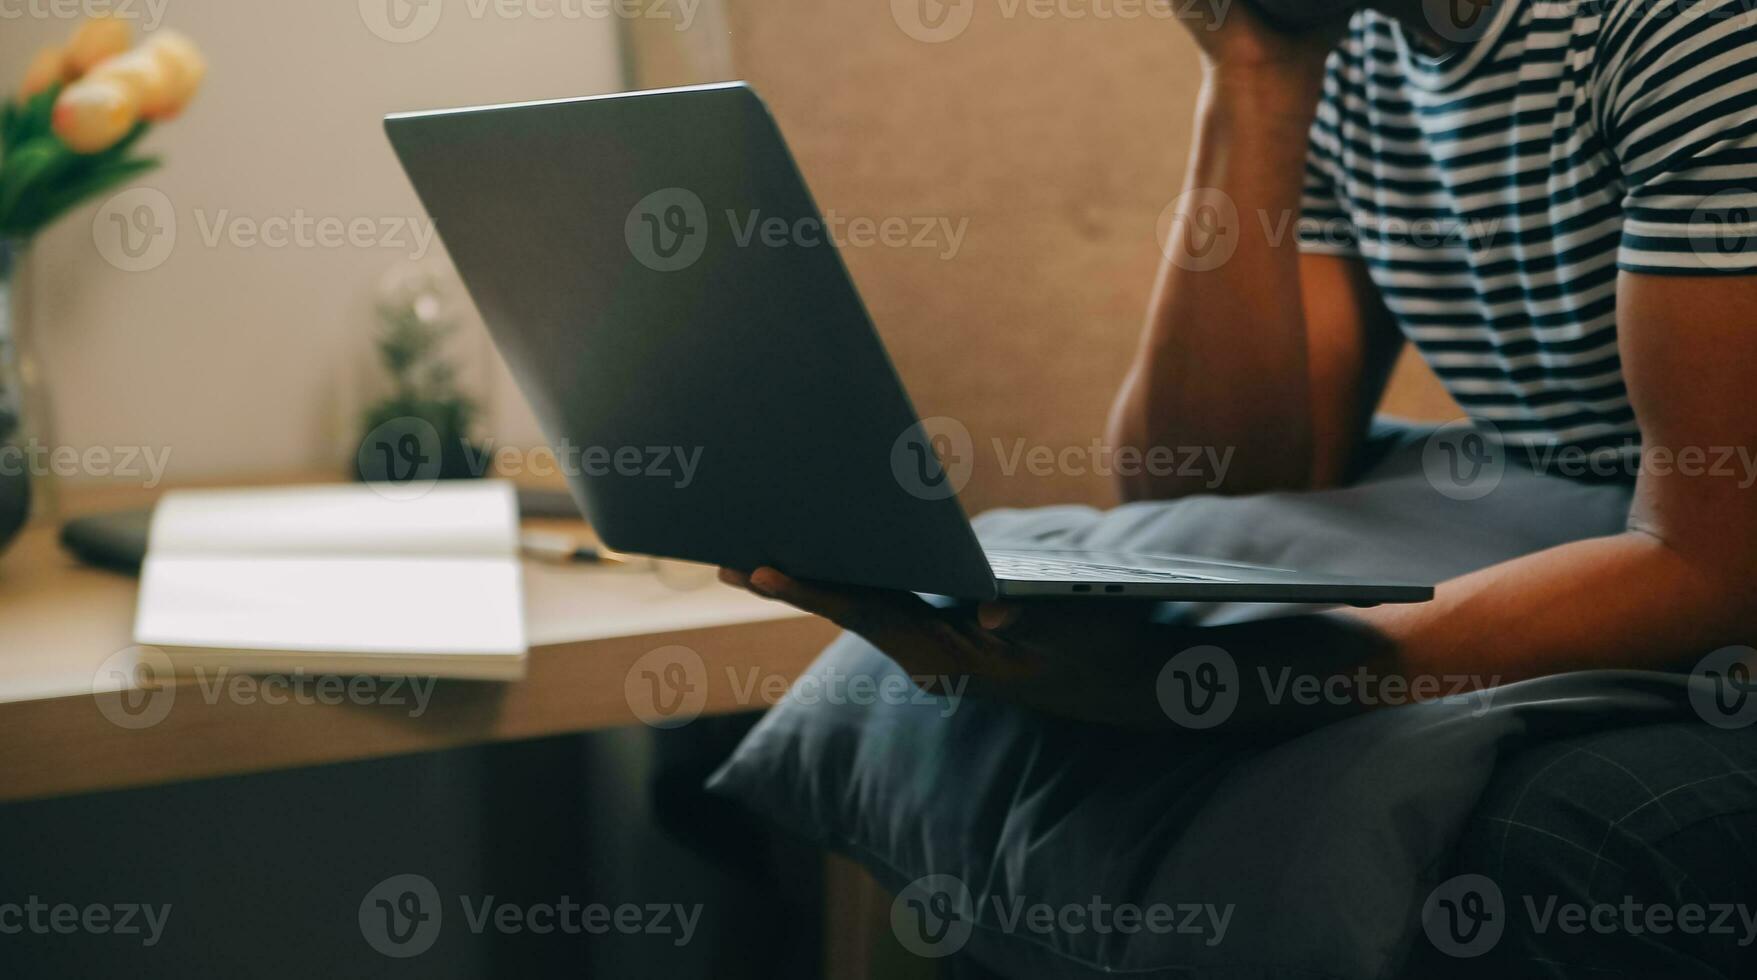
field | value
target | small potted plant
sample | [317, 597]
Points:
[72, 132]
[422, 429]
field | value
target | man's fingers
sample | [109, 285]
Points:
[857, 610]
[997, 616]
[912, 632]
[821, 601]
[869, 612]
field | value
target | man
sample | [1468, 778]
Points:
[1586, 175]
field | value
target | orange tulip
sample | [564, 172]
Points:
[146, 76]
[184, 67]
[96, 41]
[93, 114]
[44, 72]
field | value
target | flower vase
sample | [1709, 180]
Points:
[27, 491]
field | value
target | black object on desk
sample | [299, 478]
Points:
[118, 541]
[113, 541]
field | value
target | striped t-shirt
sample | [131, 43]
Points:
[1496, 191]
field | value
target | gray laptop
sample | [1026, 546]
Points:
[616, 248]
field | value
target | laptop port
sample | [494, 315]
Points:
[1113, 589]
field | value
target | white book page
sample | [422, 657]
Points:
[359, 605]
[461, 519]
[348, 569]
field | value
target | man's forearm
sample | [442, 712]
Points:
[1629, 601]
[1223, 361]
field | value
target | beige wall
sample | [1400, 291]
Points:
[1061, 141]
[250, 358]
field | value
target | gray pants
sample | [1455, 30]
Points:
[1653, 822]
[1633, 827]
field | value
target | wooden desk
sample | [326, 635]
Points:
[60, 622]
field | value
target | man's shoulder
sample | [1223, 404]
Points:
[1550, 18]
[1662, 21]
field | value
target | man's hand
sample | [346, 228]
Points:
[1096, 661]
[1238, 44]
[1087, 661]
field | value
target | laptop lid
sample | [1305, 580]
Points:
[700, 361]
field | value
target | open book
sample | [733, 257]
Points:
[384, 580]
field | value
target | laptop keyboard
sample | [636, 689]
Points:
[1028, 567]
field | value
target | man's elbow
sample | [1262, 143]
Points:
[1133, 474]
[1144, 471]
[1719, 566]
[1123, 432]
[1134, 488]
[1149, 466]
